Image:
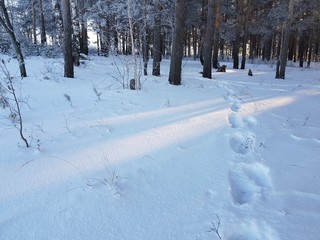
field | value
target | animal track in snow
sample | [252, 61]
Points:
[249, 181]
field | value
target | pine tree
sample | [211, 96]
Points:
[156, 39]
[208, 41]
[285, 41]
[177, 44]
[67, 26]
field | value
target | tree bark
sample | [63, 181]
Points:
[292, 43]
[67, 22]
[145, 42]
[194, 43]
[243, 24]
[267, 48]
[58, 23]
[34, 28]
[84, 48]
[244, 50]
[302, 46]
[5, 22]
[137, 84]
[156, 40]
[42, 24]
[208, 42]
[105, 38]
[216, 34]
[285, 41]
[75, 33]
[177, 44]
[235, 51]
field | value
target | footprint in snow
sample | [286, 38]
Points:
[228, 94]
[242, 143]
[237, 121]
[249, 181]
[235, 107]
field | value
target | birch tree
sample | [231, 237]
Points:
[136, 76]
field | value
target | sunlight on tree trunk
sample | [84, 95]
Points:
[135, 66]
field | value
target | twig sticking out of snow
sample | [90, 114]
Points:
[215, 226]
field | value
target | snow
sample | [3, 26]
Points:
[235, 157]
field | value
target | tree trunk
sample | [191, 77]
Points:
[84, 48]
[236, 42]
[177, 44]
[244, 50]
[5, 22]
[67, 22]
[145, 42]
[194, 43]
[156, 40]
[309, 55]
[292, 43]
[202, 29]
[221, 49]
[216, 34]
[285, 41]
[278, 69]
[235, 52]
[302, 46]
[283, 52]
[278, 45]
[208, 41]
[268, 47]
[76, 33]
[58, 23]
[243, 25]
[137, 84]
[34, 28]
[42, 24]
[105, 38]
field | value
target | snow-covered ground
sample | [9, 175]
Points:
[236, 157]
